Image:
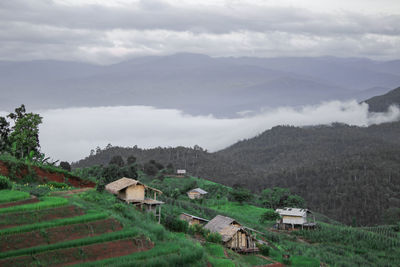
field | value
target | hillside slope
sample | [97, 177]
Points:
[382, 102]
[343, 171]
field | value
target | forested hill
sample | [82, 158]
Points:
[382, 102]
[349, 173]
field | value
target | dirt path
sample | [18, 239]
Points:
[274, 264]
[70, 192]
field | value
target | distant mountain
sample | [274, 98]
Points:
[196, 84]
[343, 171]
[383, 102]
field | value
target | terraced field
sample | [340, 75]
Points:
[55, 231]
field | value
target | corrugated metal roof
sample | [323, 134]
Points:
[199, 190]
[293, 212]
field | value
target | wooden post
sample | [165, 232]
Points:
[155, 195]
[159, 214]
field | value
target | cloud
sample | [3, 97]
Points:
[69, 134]
[109, 31]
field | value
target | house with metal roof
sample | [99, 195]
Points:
[196, 193]
[233, 234]
[295, 217]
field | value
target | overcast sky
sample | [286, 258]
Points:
[106, 31]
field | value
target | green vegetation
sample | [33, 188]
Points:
[12, 195]
[45, 202]
[5, 183]
[53, 223]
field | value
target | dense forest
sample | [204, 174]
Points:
[382, 102]
[349, 173]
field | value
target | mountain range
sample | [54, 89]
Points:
[194, 83]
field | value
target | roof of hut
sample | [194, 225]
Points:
[219, 223]
[228, 232]
[199, 190]
[293, 212]
[123, 183]
[195, 217]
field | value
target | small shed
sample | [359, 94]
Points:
[292, 217]
[192, 220]
[137, 193]
[196, 193]
[234, 235]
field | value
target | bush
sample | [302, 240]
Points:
[214, 238]
[5, 183]
[269, 215]
[264, 249]
[176, 225]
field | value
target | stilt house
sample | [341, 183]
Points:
[137, 193]
[196, 193]
[295, 217]
[234, 235]
[192, 220]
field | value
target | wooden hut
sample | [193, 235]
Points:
[192, 220]
[137, 193]
[234, 236]
[196, 193]
[295, 217]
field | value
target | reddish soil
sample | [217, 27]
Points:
[57, 234]
[275, 264]
[29, 217]
[45, 175]
[20, 202]
[69, 256]
[70, 192]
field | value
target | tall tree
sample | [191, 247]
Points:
[25, 133]
[4, 134]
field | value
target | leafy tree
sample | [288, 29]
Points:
[281, 197]
[269, 215]
[25, 133]
[131, 160]
[65, 165]
[241, 195]
[4, 134]
[117, 160]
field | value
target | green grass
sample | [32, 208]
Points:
[214, 250]
[304, 261]
[254, 260]
[12, 195]
[221, 262]
[54, 223]
[124, 234]
[45, 202]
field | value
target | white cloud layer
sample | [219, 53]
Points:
[109, 31]
[69, 134]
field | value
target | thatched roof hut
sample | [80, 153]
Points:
[191, 219]
[232, 234]
[196, 193]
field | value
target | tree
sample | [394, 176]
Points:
[117, 160]
[241, 195]
[131, 160]
[4, 134]
[281, 197]
[65, 165]
[269, 215]
[25, 133]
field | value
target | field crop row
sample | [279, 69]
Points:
[45, 202]
[59, 222]
[11, 195]
[29, 217]
[58, 234]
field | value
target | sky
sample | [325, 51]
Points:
[106, 31]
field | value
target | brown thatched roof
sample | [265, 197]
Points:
[123, 183]
[228, 232]
[219, 223]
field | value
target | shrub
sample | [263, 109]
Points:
[58, 185]
[269, 215]
[176, 225]
[214, 238]
[5, 183]
[264, 249]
